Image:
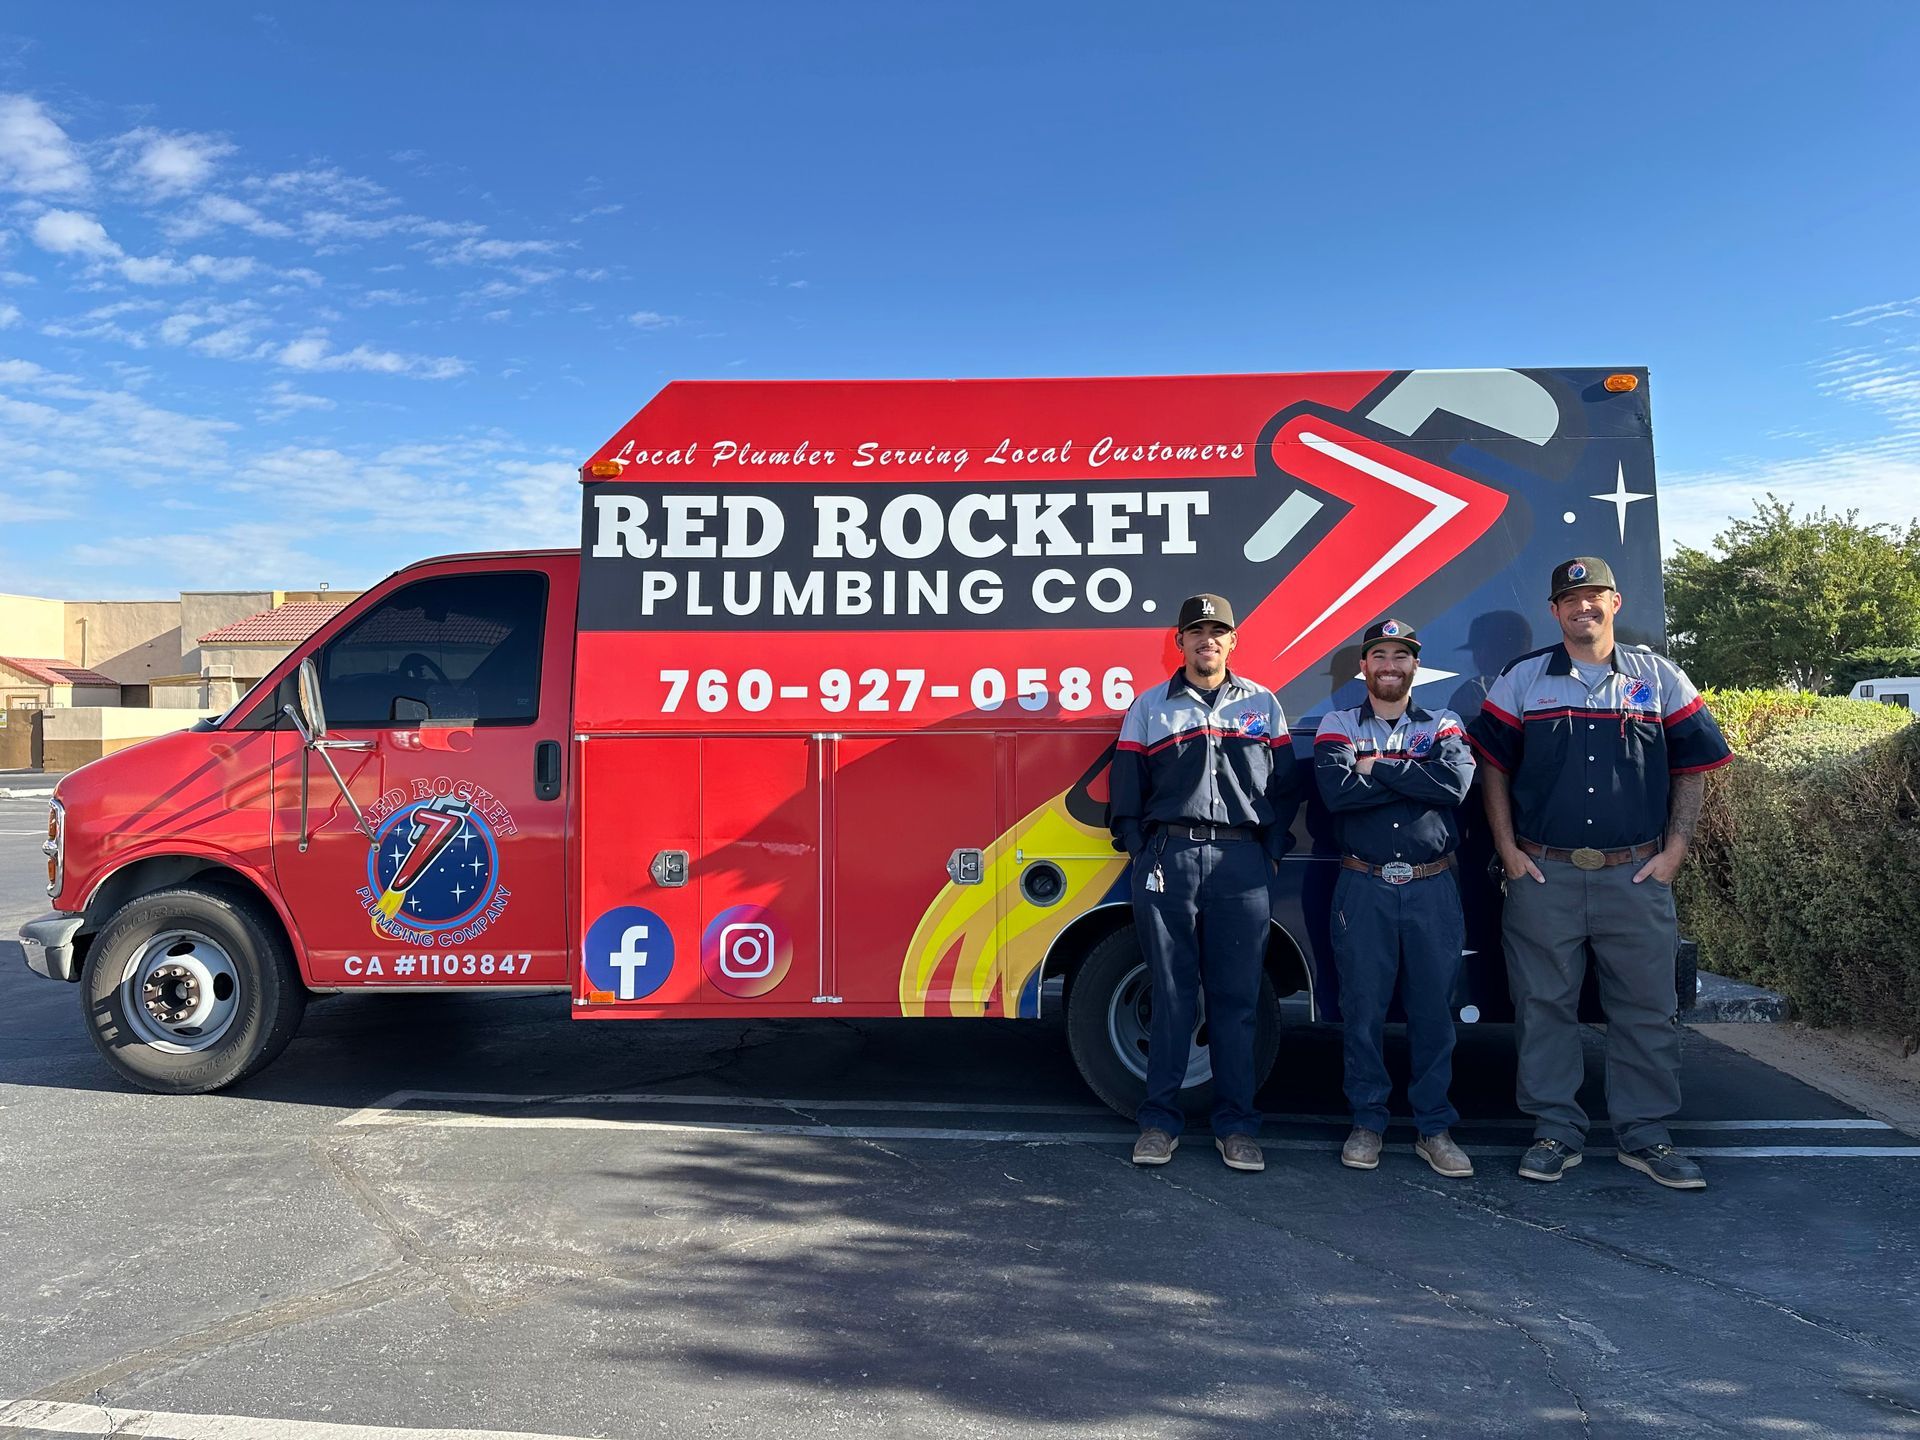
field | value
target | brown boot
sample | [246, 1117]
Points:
[1443, 1155]
[1240, 1152]
[1362, 1150]
[1154, 1147]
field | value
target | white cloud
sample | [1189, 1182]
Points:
[36, 157]
[283, 400]
[314, 352]
[652, 320]
[323, 181]
[472, 251]
[9, 315]
[1884, 489]
[68, 232]
[210, 212]
[172, 164]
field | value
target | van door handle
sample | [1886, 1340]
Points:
[546, 770]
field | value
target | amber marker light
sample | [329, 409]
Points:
[610, 469]
[1623, 384]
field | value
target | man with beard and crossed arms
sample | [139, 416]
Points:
[1393, 773]
[1596, 757]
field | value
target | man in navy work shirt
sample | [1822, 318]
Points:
[1203, 799]
[1595, 756]
[1393, 773]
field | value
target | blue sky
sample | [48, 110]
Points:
[292, 294]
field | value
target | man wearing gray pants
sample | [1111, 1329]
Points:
[1595, 755]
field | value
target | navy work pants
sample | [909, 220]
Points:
[1206, 927]
[1409, 935]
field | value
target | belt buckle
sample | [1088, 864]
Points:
[1588, 858]
[1396, 872]
[1201, 834]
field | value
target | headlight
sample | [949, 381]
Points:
[54, 846]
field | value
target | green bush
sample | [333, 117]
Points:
[1805, 875]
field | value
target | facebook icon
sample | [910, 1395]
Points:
[629, 953]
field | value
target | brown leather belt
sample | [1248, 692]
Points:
[1208, 834]
[1587, 858]
[1397, 872]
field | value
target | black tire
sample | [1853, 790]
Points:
[1686, 975]
[1109, 979]
[194, 952]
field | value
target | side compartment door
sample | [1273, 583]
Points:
[905, 937]
[447, 706]
[700, 875]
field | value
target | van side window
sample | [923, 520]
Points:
[1901, 700]
[462, 649]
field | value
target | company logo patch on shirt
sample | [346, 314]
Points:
[1420, 743]
[1639, 693]
[1253, 723]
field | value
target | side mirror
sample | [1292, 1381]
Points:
[313, 713]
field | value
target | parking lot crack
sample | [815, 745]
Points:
[91, 1387]
[1662, 1267]
[1454, 1303]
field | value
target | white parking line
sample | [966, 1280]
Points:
[381, 1112]
[387, 1115]
[389, 1111]
[64, 1419]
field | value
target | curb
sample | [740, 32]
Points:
[6, 794]
[1731, 1002]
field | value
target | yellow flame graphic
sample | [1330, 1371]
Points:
[1001, 934]
[383, 912]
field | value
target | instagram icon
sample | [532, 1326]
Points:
[745, 951]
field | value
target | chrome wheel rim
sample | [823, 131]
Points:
[1130, 1027]
[180, 992]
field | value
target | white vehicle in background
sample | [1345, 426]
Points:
[1901, 690]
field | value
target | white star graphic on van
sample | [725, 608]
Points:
[1621, 498]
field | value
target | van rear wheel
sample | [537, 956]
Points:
[190, 989]
[1110, 1017]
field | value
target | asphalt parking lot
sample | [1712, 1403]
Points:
[454, 1214]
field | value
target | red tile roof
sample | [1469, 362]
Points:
[59, 672]
[287, 625]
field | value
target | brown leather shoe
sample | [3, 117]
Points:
[1240, 1152]
[1154, 1147]
[1362, 1150]
[1443, 1155]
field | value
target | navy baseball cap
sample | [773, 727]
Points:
[1579, 571]
[1397, 631]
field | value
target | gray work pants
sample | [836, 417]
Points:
[1632, 929]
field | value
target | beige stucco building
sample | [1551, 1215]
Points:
[158, 664]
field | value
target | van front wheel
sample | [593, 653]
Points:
[1110, 1017]
[190, 989]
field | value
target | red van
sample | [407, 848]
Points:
[816, 719]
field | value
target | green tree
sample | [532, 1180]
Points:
[1778, 598]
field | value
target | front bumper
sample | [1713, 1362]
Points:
[48, 943]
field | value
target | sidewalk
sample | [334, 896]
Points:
[28, 784]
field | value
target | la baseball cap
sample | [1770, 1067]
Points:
[1200, 609]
